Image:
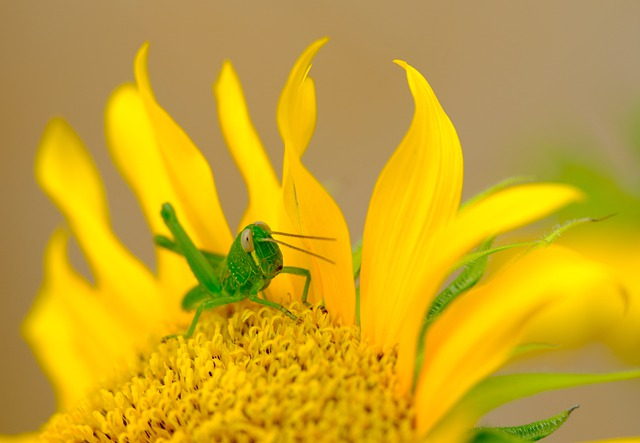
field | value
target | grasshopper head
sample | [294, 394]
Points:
[256, 239]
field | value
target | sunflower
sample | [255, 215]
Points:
[347, 369]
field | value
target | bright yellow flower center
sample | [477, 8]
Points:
[252, 376]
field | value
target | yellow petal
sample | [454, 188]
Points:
[592, 317]
[247, 150]
[477, 333]
[617, 246]
[136, 152]
[417, 192]
[67, 174]
[188, 170]
[314, 212]
[495, 214]
[296, 113]
[508, 209]
[76, 338]
[310, 209]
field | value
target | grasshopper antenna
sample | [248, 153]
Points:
[302, 236]
[273, 240]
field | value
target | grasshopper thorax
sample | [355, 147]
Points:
[256, 241]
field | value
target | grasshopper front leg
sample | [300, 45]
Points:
[294, 270]
[255, 297]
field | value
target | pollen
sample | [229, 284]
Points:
[249, 374]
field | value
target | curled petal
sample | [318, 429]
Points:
[188, 171]
[296, 113]
[478, 332]
[416, 194]
[310, 209]
[247, 150]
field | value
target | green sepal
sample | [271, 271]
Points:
[546, 240]
[496, 391]
[467, 279]
[536, 430]
[474, 266]
[462, 283]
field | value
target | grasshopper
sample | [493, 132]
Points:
[252, 262]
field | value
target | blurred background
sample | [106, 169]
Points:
[514, 77]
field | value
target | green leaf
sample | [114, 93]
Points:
[536, 430]
[498, 390]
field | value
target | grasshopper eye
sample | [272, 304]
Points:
[246, 240]
[263, 225]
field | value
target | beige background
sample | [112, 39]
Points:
[508, 73]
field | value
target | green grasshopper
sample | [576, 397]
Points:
[253, 261]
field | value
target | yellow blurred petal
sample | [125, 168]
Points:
[135, 151]
[417, 192]
[618, 248]
[76, 338]
[188, 171]
[247, 150]
[66, 173]
[495, 214]
[296, 113]
[592, 317]
[20, 438]
[477, 333]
